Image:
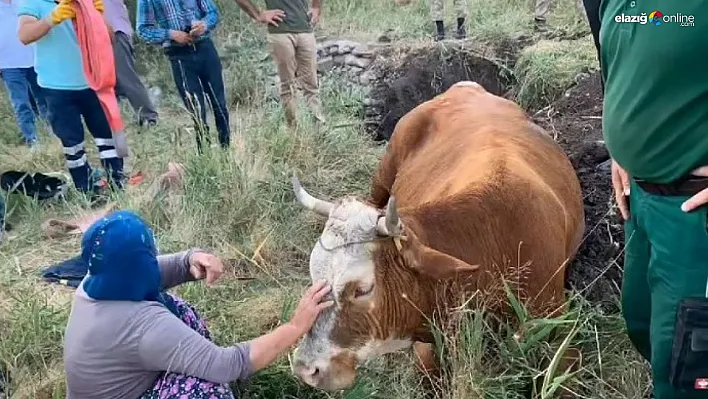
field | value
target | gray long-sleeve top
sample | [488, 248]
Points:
[117, 349]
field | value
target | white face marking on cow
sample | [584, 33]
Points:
[343, 254]
[376, 348]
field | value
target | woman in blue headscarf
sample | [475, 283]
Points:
[128, 338]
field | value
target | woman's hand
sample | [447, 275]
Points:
[266, 348]
[202, 264]
[310, 306]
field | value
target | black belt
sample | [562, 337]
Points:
[176, 49]
[687, 187]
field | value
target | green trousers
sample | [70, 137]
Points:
[666, 259]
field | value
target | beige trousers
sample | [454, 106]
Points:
[543, 6]
[541, 9]
[295, 55]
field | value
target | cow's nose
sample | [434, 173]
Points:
[310, 374]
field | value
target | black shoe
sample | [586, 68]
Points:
[461, 32]
[147, 123]
[440, 31]
[540, 25]
[7, 227]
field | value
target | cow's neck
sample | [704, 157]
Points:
[407, 298]
[410, 299]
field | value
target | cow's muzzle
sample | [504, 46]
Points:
[333, 374]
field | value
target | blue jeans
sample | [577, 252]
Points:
[27, 99]
[197, 70]
[66, 107]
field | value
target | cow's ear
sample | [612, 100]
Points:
[434, 263]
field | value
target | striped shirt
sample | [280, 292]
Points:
[156, 18]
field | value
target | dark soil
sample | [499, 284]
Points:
[573, 119]
[424, 74]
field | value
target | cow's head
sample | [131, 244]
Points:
[381, 287]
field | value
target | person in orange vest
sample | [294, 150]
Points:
[58, 62]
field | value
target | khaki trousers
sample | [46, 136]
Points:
[437, 9]
[543, 6]
[541, 9]
[295, 55]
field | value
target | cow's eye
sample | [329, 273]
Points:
[363, 291]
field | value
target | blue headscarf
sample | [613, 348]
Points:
[121, 255]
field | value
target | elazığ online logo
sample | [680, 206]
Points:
[657, 18]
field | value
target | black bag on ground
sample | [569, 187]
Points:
[689, 355]
[69, 272]
[33, 185]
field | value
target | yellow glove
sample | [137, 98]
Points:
[62, 12]
[99, 5]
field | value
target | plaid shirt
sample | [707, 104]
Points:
[155, 19]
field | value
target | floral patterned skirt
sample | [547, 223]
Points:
[180, 386]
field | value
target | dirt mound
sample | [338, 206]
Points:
[575, 121]
[424, 73]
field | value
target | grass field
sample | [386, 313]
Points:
[240, 205]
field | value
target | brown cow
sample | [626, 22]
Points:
[470, 190]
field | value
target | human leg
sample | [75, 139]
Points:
[65, 119]
[461, 12]
[185, 72]
[592, 12]
[678, 269]
[128, 82]
[97, 124]
[636, 295]
[437, 14]
[37, 94]
[174, 385]
[306, 71]
[212, 80]
[19, 92]
[282, 47]
[541, 12]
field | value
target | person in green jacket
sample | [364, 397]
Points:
[655, 122]
[293, 48]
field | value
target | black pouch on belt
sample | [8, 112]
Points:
[689, 355]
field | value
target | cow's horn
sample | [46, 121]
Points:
[391, 225]
[314, 204]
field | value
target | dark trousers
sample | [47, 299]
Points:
[66, 107]
[665, 261]
[197, 71]
[592, 9]
[128, 82]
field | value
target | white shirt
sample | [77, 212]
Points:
[13, 54]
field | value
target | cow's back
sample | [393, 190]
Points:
[480, 182]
